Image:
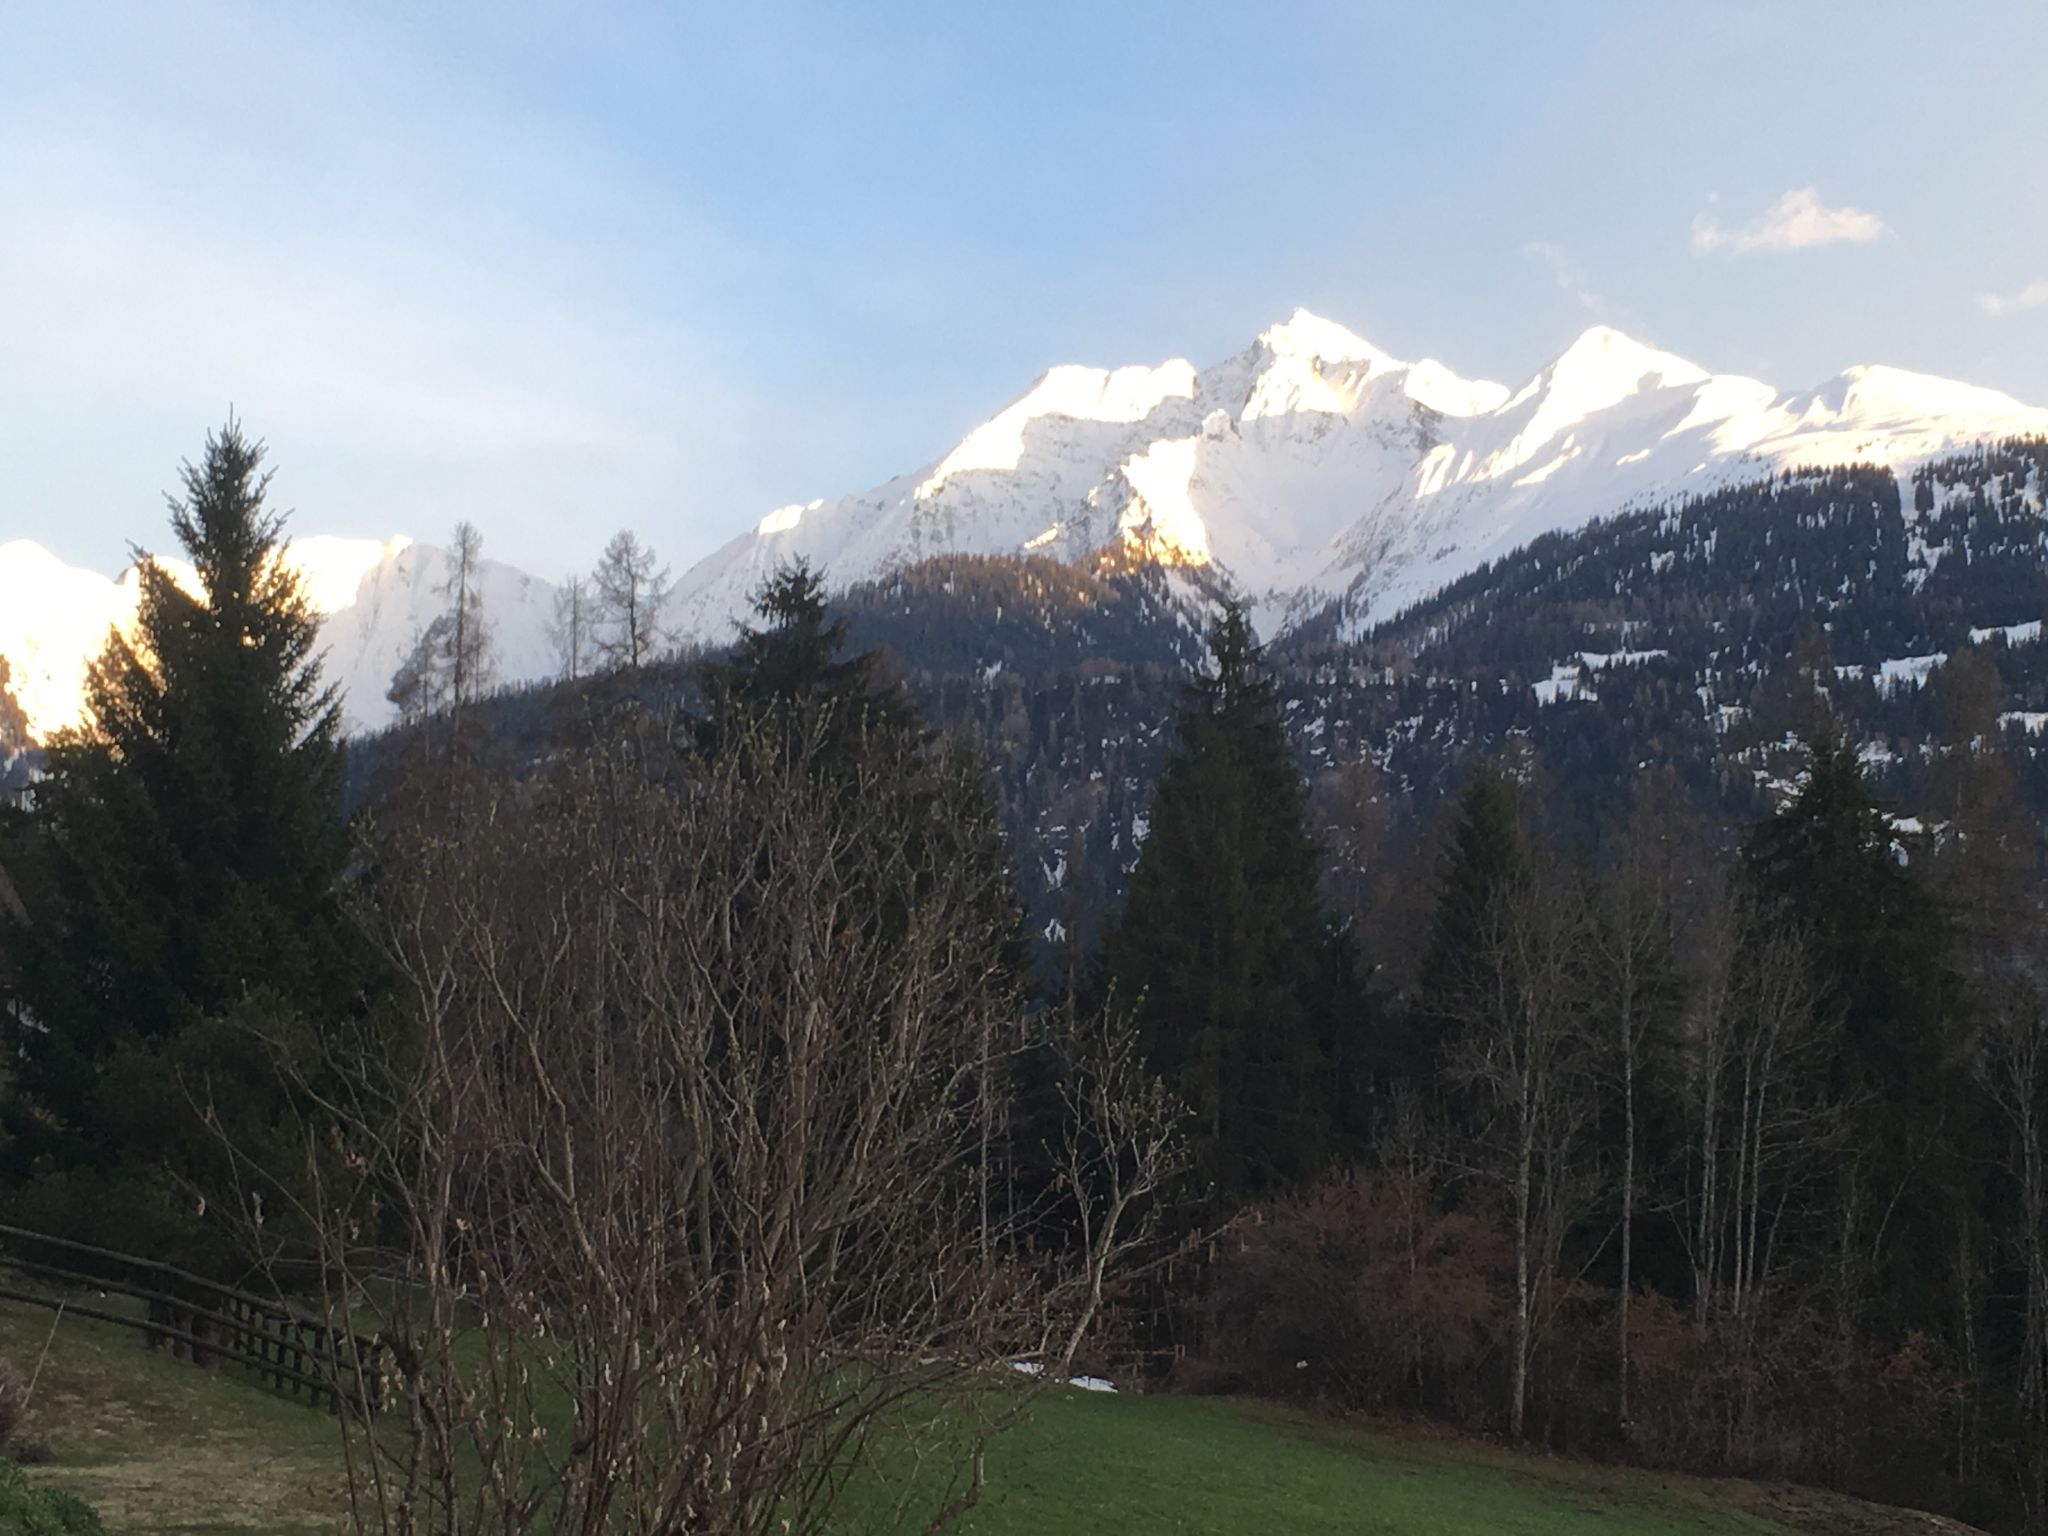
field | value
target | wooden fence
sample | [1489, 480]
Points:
[201, 1320]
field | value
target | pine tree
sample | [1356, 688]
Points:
[1984, 858]
[1222, 947]
[791, 665]
[793, 657]
[1829, 865]
[179, 873]
[788, 675]
[1831, 858]
[1483, 863]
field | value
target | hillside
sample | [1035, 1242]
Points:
[1680, 634]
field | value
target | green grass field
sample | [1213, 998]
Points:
[1182, 1466]
[1213, 1467]
[161, 1447]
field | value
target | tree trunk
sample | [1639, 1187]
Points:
[1628, 1207]
[1524, 1180]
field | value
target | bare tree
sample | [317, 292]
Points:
[14, 735]
[1122, 1144]
[571, 631]
[1630, 940]
[467, 657]
[664, 1178]
[1408, 1151]
[1643, 895]
[420, 685]
[630, 587]
[1525, 1061]
[1761, 1135]
[449, 666]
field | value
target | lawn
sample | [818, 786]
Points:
[1150, 1466]
[161, 1447]
[157, 1445]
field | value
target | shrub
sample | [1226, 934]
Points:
[27, 1511]
[1367, 1293]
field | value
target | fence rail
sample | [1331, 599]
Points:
[286, 1347]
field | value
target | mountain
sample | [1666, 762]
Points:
[1314, 470]
[1325, 481]
[376, 598]
[1701, 635]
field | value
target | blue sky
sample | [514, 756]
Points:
[564, 269]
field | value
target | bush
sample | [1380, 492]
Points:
[26, 1511]
[1364, 1292]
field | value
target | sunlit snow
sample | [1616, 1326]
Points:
[1310, 468]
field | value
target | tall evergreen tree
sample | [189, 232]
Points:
[793, 662]
[794, 655]
[1832, 858]
[1484, 860]
[179, 872]
[790, 671]
[1222, 947]
[1830, 864]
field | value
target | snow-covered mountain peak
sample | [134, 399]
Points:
[1070, 392]
[1604, 366]
[333, 568]
[1313, 467]
[1309, 364]
[1874, 393]
[1308, 470]
[375, 597]
[1430, 383]
[1305, 334]
[1305, 363]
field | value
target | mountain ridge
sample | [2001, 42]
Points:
[1313, 473]
[1315, 468]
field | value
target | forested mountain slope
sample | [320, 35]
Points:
[1694, 634]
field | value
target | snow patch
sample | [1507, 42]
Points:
[2012, 634]
[1566, 684]
[1908, 671]
[1085, 1383]
[1596, 661]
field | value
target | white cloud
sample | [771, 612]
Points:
[1795, 222]
[1569, 276]
[2033, 296]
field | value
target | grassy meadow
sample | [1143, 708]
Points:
[160, 1447]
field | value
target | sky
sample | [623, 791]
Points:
[559, 270]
